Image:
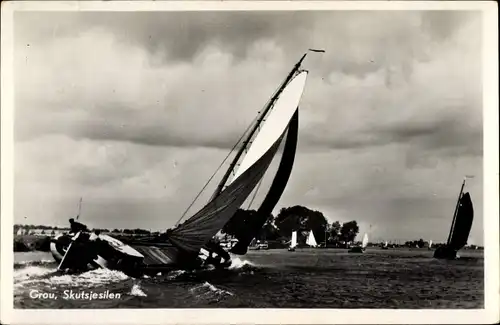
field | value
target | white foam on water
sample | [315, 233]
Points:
[31, 276]
[237, 263]
[26, 275]
[90, 278]
[207, 288]
[174, 274]
[137, 291]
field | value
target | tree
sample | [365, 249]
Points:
[302, 220]
[268, 232]
[349, 231]
[420, 243]
[334, 232]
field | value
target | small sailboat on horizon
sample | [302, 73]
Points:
[293, 242]
[362, 247]
[311, 241]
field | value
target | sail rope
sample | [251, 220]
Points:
[217, 170]
[255, 193]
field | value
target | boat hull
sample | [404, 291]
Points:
[134, 259]
[357, 249]
[84, 252]
[445, 252]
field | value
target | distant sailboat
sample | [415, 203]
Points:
[253, 245]
[360, 249]
[293, 242]
[460, 227]
[364, 243]
[311, 241]
[430, 245]
[386, 245]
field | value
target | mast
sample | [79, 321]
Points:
[268, 107]
[79, 208]
[456, 210]
[326, 228]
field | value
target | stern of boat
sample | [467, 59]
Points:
[445, 252]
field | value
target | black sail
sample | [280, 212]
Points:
[276, 190]
[463, 223]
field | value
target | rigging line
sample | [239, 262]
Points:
[218, 168]
[255, 193]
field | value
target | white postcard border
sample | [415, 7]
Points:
[489, 314]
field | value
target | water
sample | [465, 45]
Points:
[306, 278]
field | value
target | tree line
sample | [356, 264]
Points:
[48, 229]
[297, 218]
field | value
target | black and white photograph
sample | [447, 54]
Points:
[249, 157]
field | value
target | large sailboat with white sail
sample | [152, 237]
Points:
[460, 226]
[192, 243]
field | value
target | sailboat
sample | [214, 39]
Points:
[360, 249]
[386, 245]
[293, 242]
[430, 245]
[311, 241]
[460, 226]
[191, 244]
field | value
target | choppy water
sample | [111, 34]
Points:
[309, 278]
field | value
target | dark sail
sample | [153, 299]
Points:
[195, 232]
[463, 223]
[276, 190]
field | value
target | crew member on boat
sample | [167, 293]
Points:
[76, 226]
[214, 246]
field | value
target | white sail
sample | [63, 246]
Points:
[275, 123]
[311, 241]
[20, 231]
[385, 244]
[293, 243]
[365, 241]
[430, 243]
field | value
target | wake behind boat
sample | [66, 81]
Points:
[192, 244]
[460, 227]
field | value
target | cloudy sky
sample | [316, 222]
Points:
[134, 111]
